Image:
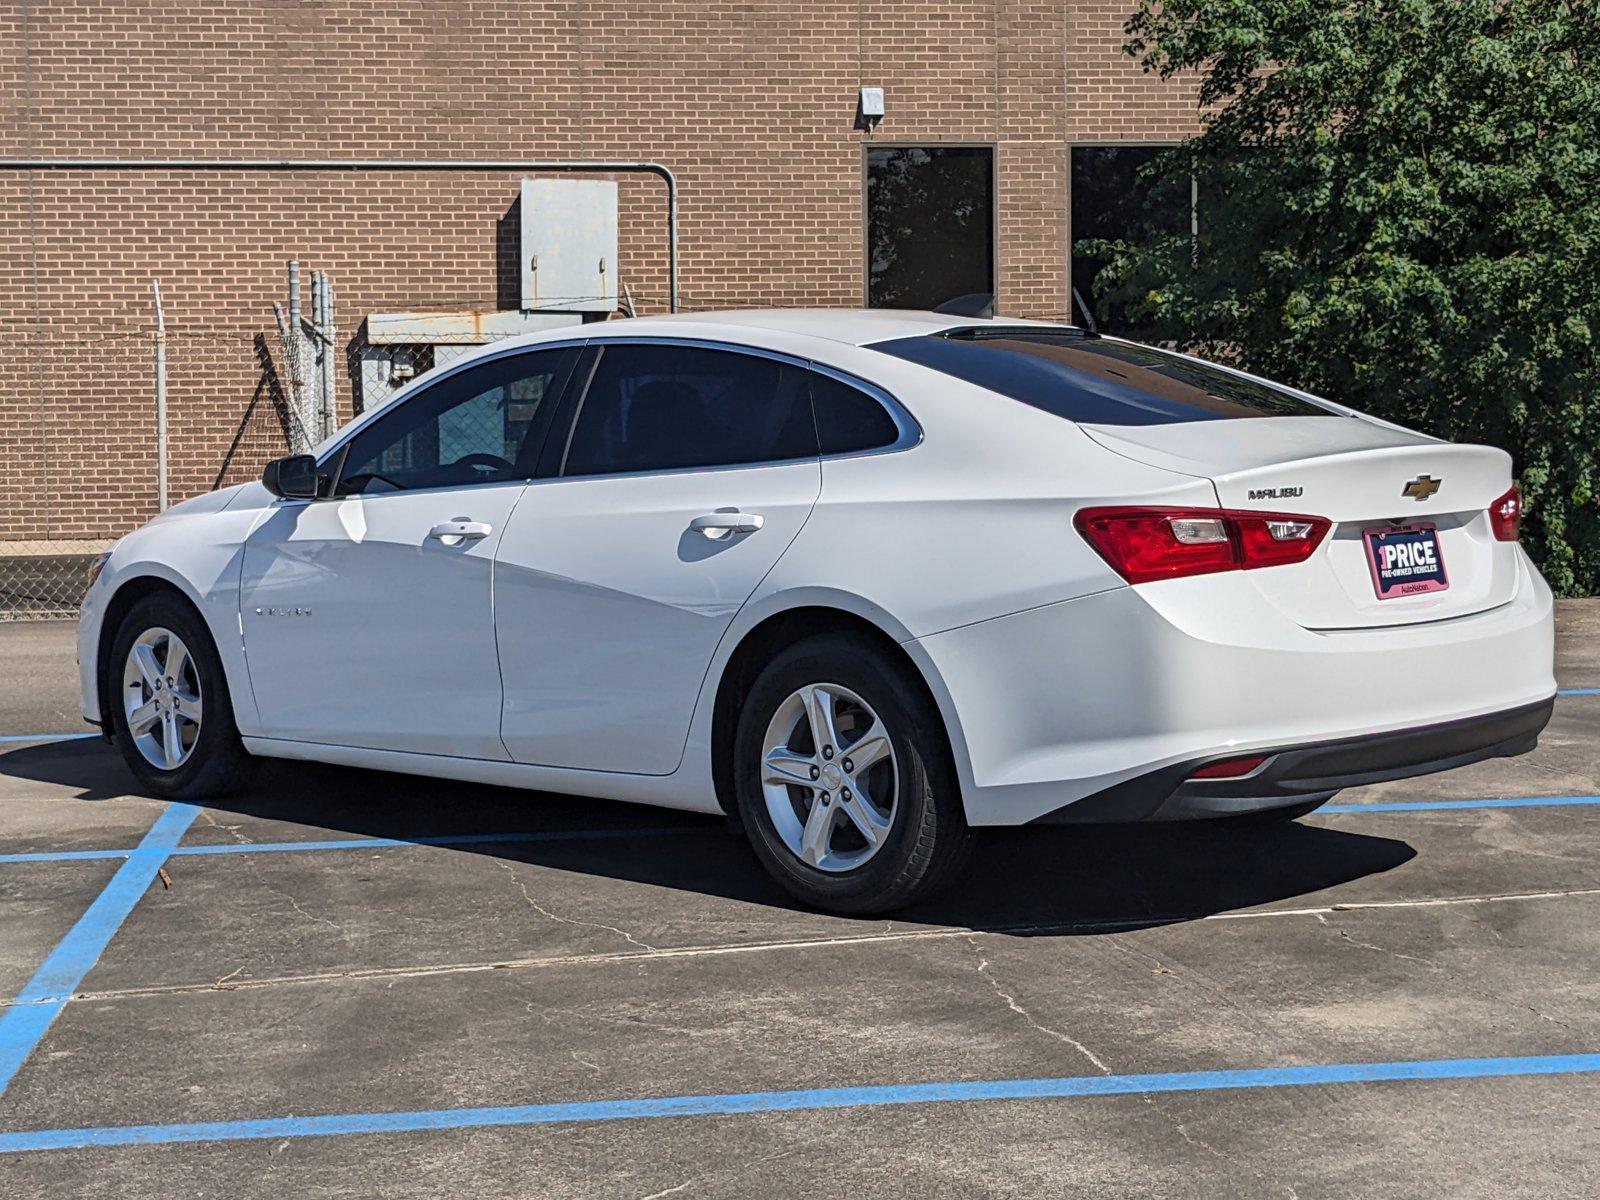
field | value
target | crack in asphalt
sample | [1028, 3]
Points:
[650, 954]
[1438, 968]
[1179, 1126]
[735, 1170]
[1014, 1006]
[557, 917]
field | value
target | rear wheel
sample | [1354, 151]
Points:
[844, 779]
[170, 711]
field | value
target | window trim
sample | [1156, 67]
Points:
[995, 256]
[338, 453]
[566, 420]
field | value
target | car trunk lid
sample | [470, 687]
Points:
[1362, 475]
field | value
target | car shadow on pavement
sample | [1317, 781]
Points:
[1032, 881]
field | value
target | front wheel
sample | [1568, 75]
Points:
[171, 715]
[844, 779]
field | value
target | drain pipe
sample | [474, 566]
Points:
[161, 398]
[329, 417]
[297, 382]
[660, 170]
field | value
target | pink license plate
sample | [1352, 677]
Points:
[1405, 560]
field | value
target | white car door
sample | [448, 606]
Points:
[684, 475]
[368, 616]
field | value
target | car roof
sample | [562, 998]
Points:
[842, 326]
[855, 327]
[852, 326]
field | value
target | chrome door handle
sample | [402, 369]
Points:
[453, 533]
[725, 524]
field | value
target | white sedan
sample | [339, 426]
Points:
[863, 581]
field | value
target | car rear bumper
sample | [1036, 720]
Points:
[1295, 774]
[1062, 704]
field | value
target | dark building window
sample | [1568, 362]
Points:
[930, 224]
[1109, 201]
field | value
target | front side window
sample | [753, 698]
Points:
[1095, 380]
[930, 224]
[665, 408]
[476, 426]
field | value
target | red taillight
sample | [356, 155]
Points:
[1142, 545]
[1229, 768]
[1146, 544]
[1276, 539]
[1505, 516]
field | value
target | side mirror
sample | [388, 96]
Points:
[294, 478]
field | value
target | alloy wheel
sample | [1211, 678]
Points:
[161, 698]
[829, 777]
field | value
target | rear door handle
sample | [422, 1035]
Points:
[725, 524]
[453, 533]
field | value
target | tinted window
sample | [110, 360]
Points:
[1096, 381]
[930, 224]
[848, 419]
[473, 427]
[662, 408]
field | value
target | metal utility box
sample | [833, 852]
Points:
[569, 245]
[400, 346]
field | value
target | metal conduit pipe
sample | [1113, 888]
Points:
[378, 164]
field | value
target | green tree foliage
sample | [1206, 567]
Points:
[1399, 205]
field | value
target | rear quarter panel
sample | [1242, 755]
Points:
[972, 523]
[975, 521]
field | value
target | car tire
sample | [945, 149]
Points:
[188, 758]
[1269, 818]
[908, 795]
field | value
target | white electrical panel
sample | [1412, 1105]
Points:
[569, 245]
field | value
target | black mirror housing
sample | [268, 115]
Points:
[294, 478]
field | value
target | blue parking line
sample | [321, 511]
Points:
[63, 855]
[46, 737]
[740, 1103]
[447, 839]
[371, 843]
[1434, 805]
[1579, 692]
[52, 985]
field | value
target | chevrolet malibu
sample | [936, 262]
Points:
[862, 581]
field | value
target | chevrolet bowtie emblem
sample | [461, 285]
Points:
[1421, 487]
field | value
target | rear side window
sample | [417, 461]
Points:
[664, 408]
[1097, 382]
[849, 420]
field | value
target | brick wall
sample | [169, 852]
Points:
[752, 104]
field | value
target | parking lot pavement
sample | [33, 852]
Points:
[39, 690]
[357, 984]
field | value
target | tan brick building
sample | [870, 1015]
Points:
[753, 104]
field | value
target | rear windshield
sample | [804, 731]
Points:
[1094, 381]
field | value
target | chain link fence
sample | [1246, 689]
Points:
[116, 273]
[79, 446]
[45, 581]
